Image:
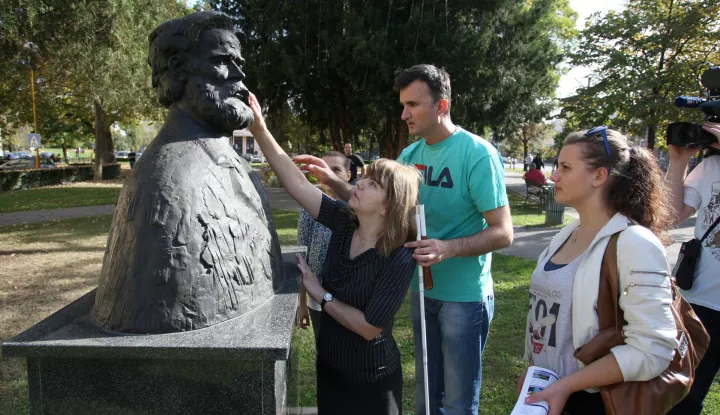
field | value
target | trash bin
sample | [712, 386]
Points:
[554, 211]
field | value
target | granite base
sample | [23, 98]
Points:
[240, 366]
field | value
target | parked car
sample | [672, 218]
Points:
[122, 155]
[18, 155]
[27, 163]
[247, 157]
[256, 159]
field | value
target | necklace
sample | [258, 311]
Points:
[366, 240]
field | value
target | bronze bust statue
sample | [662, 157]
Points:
[192, 242]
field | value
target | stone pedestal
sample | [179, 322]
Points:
[239, 366]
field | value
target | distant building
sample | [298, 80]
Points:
[245, 142]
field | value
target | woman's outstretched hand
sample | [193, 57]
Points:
[258, 125]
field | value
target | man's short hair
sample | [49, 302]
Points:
[175, 38]
[334, 153]
[533, 166]
[437, 79]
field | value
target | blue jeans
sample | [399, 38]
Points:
[456, 336]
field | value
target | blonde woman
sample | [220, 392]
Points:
[365, 277]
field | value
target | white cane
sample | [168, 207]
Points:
[419, 220]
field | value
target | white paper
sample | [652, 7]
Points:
[536, 380]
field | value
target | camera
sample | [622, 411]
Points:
[687, 134]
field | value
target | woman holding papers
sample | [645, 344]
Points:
[365, 277]
[615, 189]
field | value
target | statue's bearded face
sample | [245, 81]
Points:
[214, 87]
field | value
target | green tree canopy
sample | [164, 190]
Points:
[643, 57]
[335, 62]
[90, 61]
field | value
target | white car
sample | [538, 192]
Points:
[256, 159]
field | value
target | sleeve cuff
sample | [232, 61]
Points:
[692, 198]
[637, 366]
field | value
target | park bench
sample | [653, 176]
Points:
[534, 189]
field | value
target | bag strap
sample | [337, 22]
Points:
[609, 273]
[710, 229]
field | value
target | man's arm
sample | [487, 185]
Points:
[498, 235]
[487, 188]
[675, 180]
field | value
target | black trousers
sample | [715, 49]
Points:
[339, 395]
[709, 365]
[584, 403]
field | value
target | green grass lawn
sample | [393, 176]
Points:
[79, 194]
[47, 265]
[530, 214]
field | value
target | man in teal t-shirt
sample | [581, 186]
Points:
[467, 217]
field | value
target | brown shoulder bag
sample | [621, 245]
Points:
[655, 396]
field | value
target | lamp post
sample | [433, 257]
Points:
[35, 130]
[34, 50]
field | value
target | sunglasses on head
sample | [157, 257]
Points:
[602, 130]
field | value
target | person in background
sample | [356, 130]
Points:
[132, 157]
[539, 162]
[534, 175]
[316, 237]
[355, 163]
[528, 160]
[700, 192]
[615, 189]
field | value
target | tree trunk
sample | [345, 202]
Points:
[402, 136]
[335, 135]
[104, 152]
[651, 137]
[343, 119]
[525, 150]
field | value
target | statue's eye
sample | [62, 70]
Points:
[222, 60]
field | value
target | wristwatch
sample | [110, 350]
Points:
[326, 298]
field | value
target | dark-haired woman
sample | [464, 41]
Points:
[614, 188]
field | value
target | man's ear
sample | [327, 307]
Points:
[443, 106]
[177, 66]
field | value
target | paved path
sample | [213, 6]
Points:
[279, 199]
[528, 243]
[33, 216]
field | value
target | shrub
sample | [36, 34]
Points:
[274, 182]
[26, 179]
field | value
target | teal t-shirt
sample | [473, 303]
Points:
[462, 177]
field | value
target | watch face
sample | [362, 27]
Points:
[327, 297]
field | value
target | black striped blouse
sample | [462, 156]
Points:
[372, 283]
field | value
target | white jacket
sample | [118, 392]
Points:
[645, 298]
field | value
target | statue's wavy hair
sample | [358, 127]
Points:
[174, 39]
